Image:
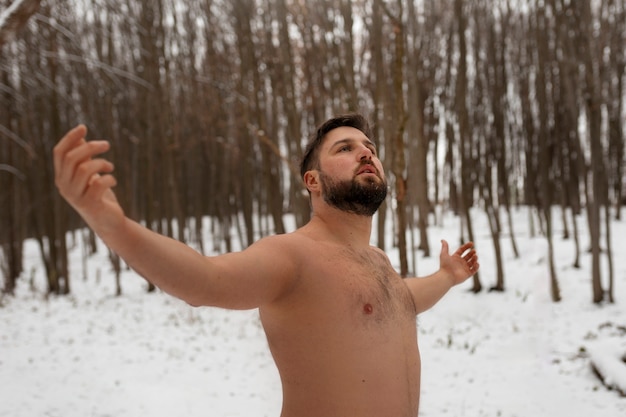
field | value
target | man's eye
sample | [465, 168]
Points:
[345, 148]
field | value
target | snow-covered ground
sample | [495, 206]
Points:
[511, 354]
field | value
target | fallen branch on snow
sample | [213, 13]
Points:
[608, 361]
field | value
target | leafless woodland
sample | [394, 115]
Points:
[477, 105]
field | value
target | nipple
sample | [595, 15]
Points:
[368, 309]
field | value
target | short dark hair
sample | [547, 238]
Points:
[310, 159]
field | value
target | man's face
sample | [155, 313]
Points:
[351, 175]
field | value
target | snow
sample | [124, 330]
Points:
[511, 354]
[609, 359]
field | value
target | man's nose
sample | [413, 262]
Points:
[365, 154]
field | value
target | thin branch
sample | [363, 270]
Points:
[98, 64]
[11, 169]
[21, 142]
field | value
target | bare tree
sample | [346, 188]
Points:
[208, 105]
[466, 148]
[544, 139]
[397, 134]
[596, 194]
[14, 17]
[418, 82]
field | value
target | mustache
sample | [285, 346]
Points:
[370, 165]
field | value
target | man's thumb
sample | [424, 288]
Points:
[444, 247]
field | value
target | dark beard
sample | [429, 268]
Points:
[352, 196]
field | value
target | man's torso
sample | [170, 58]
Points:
[344, 338]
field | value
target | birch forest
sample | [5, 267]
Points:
[478, 106]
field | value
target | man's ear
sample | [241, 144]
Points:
[312, 181]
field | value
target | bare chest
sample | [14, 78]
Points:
[361, 283]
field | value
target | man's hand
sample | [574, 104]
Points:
[461, 265]
[85, 181]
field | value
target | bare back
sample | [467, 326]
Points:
[344, 337]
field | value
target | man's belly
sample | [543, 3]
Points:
[364, 394]
[348, 370]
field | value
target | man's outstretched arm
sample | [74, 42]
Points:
[453, 270]
[245, 279]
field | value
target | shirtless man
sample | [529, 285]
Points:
[340, 322]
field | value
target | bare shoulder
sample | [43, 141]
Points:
[287, 243]
[379, 251]
[383, 255]
[279, 253]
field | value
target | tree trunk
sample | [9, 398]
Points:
[545, 141]
[592, 91]
[399, 161]
[466, 189]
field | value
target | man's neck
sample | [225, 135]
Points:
[352, 229]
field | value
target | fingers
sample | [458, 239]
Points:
[69, 141]
[76, 169]
[471, 257]
[87, 175]
[100, 184]
[465, 249]
[468, 254]
[472, 261]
